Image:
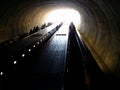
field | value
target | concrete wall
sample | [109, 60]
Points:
[101, 34]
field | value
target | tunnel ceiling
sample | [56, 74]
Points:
[99, 28]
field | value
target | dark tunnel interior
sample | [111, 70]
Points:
[99, 27]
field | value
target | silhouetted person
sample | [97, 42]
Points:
[72, 27]
[30, 31]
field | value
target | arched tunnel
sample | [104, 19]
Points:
[98, 27]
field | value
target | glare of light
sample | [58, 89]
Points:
[33, 45]
[15, 62]
[23, 55]
[38, 43]
[64, 15]
[1, 73]
[11, 41]
[29, 50]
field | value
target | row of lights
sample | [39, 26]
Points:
[23, 55]
[1, 73]
[8, 43]
[29, 50]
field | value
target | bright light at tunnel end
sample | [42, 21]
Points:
[64, 15]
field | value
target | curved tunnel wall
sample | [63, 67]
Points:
[99, 28]
[102, 35]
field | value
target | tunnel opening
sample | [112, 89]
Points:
[65, 15]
